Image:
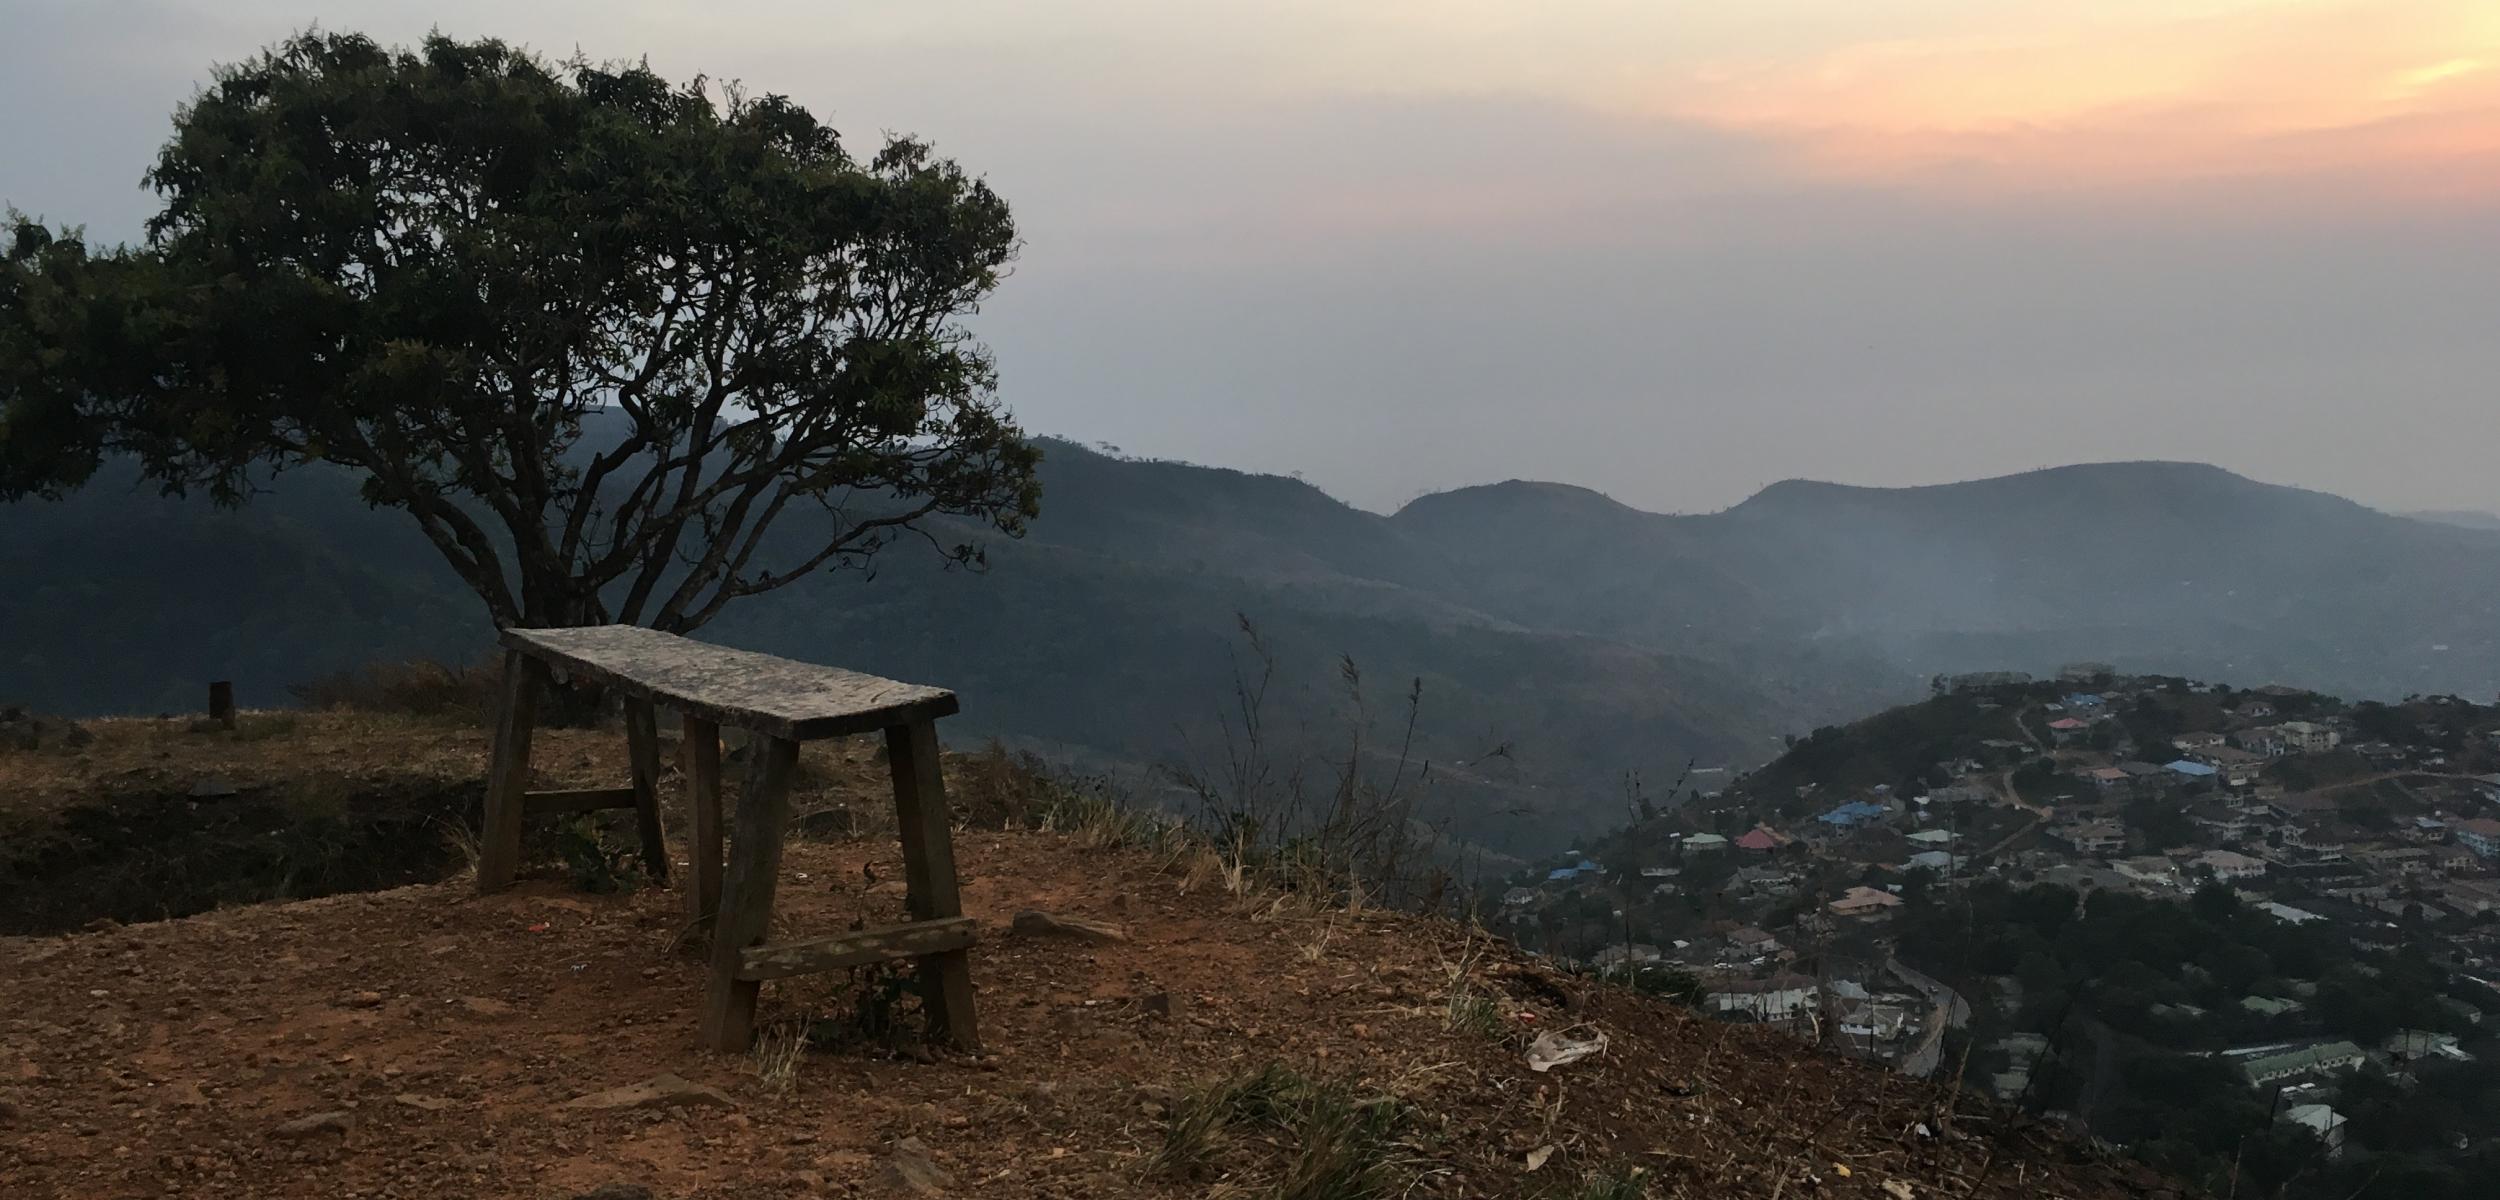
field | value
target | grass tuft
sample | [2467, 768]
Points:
[1466, 1010]
[779, 1049]
[1475, 1015]
[1287, 1136]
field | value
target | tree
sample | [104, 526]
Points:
[599, 335]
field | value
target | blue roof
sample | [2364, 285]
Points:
[1561, 873]
[2198, 769]
[1852, 813]
[2085, 699]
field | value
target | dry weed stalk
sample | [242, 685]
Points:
[779, 1049]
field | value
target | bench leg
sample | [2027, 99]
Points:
[746, 903]
[699, 757]
[642, 748]
[929, 871]
[508, 771]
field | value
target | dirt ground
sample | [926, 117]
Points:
[448, 1033]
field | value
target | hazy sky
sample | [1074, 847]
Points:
[1673, 250]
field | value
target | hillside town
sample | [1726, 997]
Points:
[2353, 844]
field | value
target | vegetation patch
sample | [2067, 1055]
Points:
[1275, 1132]
[602, 858]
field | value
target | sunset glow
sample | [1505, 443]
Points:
[2116, 93]
[2407, 88]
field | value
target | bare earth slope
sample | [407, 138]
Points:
[448, 1033]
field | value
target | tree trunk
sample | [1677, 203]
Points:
[560, 604]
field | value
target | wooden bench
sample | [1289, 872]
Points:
[782, 703]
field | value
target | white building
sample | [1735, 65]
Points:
[2480, 835]
[1783, 1000]
[2307, 737]
[2322, 1121]
[2230, 865]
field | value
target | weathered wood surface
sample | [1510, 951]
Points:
[929, 874]
[698, 751]
[507, 775]
[857, 949]
[642, 751]
[576, 800]
[746, 903]
[775, 696]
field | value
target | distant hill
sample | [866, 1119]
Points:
[2154, 566]
[2462, 517]
[1582, 637]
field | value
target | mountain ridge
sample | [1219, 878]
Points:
[1590, 637]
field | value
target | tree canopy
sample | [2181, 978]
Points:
[598, 334]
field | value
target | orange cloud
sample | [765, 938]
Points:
[2407, 91]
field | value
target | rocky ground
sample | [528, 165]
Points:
[425, 1042]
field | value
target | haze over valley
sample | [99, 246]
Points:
[1581, 637]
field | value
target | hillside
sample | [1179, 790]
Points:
[1582, 637]
[2245, 935]
[418, 1042]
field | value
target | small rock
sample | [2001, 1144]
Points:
[908, 1171]
[484, 1006]
[1157, 1004]
[1036, 923]
[317, 1123]
[361, 1000]
[834, 822]
[422, 1103]
[211, 787]
[663, 1091]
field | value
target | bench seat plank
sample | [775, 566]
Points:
[774, 696]
[915, 940]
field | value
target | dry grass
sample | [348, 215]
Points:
[1600, 1185]
[780, 1048]
[1465, 1009]
[1275, 1132]
[417, 688]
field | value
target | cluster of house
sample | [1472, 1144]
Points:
[1880, 1014]
[2300, 1074]
[2423, 845]
[2320, 854]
